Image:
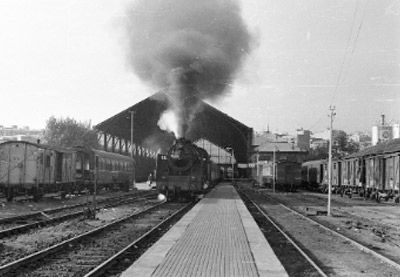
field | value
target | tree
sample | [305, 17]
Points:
[67, 132]
[343, 145]
[318, 153]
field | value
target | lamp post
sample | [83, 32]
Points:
[273, 169]
[259, 171]
[132, 117]
[232, 152]
[233, 166]
[132, 113]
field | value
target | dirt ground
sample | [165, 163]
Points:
[22, 205]
[374, 225]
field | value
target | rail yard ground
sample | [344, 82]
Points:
[375, 226]
[24, 205]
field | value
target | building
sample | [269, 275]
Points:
[300, 138]
[20, 134]
[384, 131]
[268, 152]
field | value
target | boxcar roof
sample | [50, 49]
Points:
[379, 149]
[42, 146]
[315, 162]
[113, 155]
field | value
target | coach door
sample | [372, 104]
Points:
[383, 173]
[339, 173]
[59, 166]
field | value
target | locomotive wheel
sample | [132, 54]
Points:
[10, 194]
[126, 187]
[37, 194]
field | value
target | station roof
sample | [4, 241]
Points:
[209, 123]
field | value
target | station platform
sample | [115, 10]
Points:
[218, 237]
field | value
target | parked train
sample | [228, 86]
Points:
[34, 169]
[287, 175]
[314, 175]
[185, 171]
[370, 172]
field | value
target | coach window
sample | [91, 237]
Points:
[87, 164]
[78, 163]
[48, 161]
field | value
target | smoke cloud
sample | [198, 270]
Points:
[190, 48]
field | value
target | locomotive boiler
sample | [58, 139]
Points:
[185, 171]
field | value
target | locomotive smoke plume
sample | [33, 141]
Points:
[190, 48]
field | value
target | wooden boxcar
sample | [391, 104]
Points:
[28, 168]
[314, 175]
[34, 169]
[288, 175]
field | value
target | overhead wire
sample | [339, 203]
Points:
[342, 67]
[348, 57]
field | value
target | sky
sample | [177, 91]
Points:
[65, 59]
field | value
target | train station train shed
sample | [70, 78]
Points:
[138, 124]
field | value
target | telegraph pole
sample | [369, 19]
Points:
[332, 116]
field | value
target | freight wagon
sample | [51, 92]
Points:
[372, 172]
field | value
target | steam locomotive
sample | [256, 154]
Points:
[35, 169]
[186, 171]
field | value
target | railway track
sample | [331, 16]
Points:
[345, 257]
[95, 250]
[24, 223]
[293, 258]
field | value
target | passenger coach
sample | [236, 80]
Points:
[34, 169]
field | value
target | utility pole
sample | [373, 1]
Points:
[332, 117]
